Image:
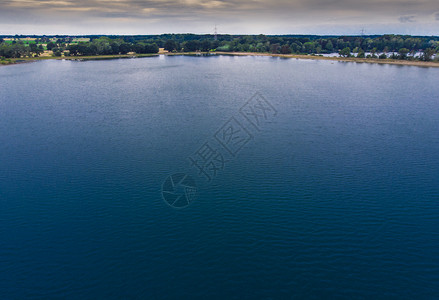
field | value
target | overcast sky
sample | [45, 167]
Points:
[76, 17]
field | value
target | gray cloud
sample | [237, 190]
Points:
[234, 16]
[407, 19]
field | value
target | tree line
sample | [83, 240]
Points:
[99, 46]
[108, 46]
[19, 49]
[400, 46]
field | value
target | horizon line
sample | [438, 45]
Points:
[223, 34]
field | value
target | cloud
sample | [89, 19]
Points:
[348, 7]
[407, 19]
[234, 16]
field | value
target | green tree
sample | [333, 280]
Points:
[33, 47]
[206, 45]
[215, 44]
[346, 52]
[225, 48]
[56, 51]
[102, 45]
[124, 48]
[329, 47]
[309, 47]
[318, 49]
[170, 45]
[191, 46]
[37, 50]
[73, 49]
[274, 48]
[151, 48]
[403, 53]
[285, 49]
[296, 47]
[427, 54]
[50, 45]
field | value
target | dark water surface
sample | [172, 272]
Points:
[335, 196]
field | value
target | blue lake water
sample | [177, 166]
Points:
[336, 195]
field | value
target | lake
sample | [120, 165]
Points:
[176, 177]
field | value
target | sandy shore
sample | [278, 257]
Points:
[297, 56]
[348, 59]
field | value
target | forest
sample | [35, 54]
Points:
[383, 46]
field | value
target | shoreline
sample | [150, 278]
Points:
[16, 61]
[296, 56]
[345, 59]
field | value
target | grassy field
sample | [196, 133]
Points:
[24, 42]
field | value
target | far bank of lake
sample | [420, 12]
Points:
[297, 56]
